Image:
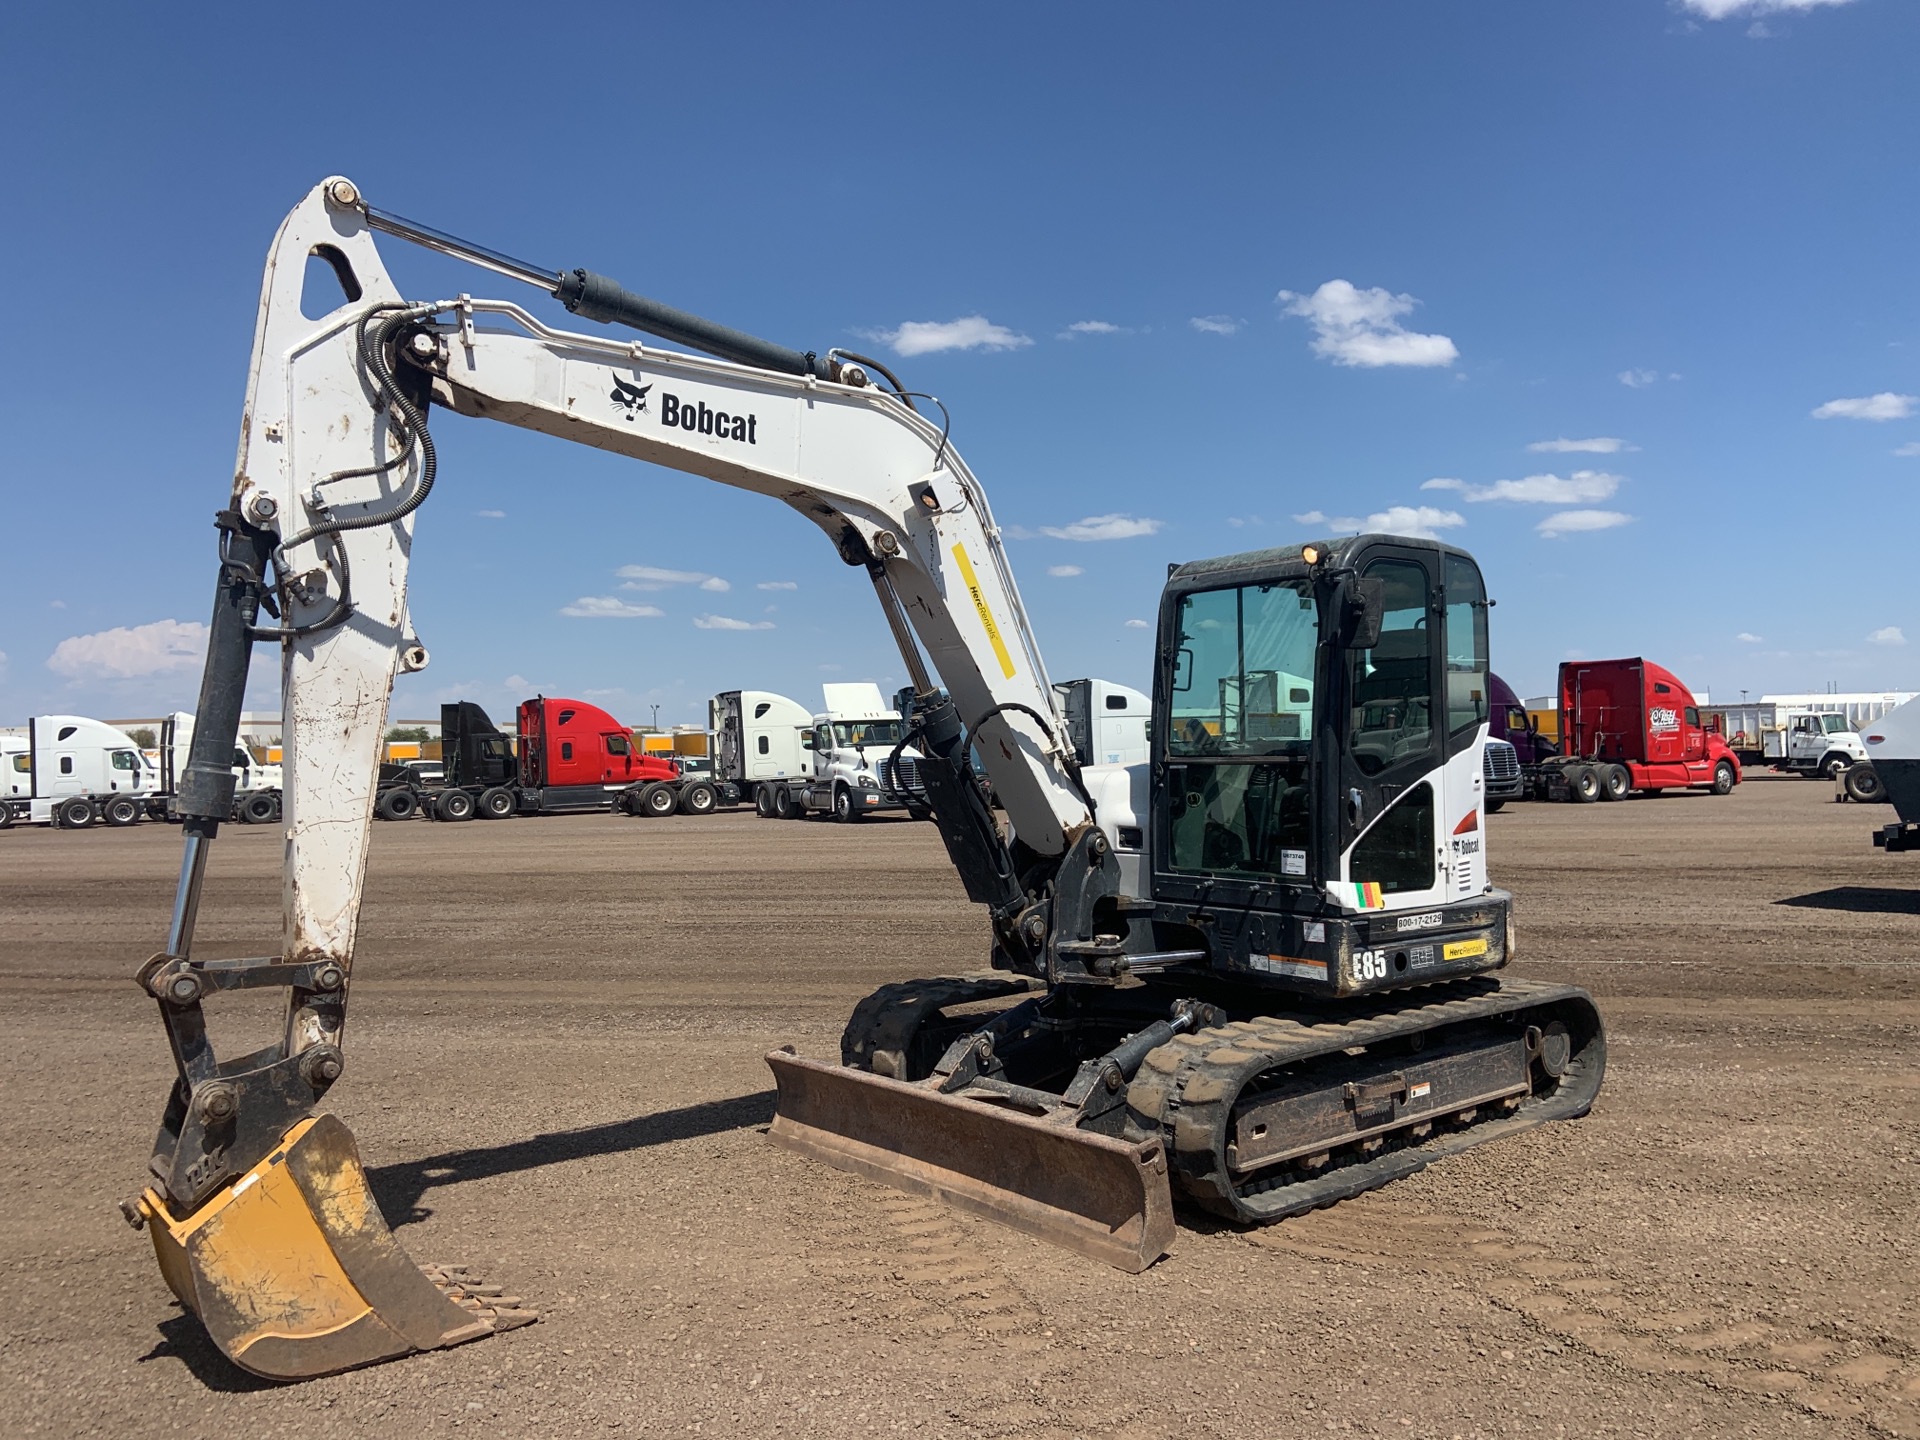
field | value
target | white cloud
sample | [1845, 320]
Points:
[727, 622]
[1093, 327]
[609, 607]
[652, 577]
[1912, 447]
[1573, 522]
[1103, 527]
[131, 650]
[1422, 520]
[1887, 635]
[1638, 379]
[1746, 637]
[1728, 9]
[1215, 324]
[1362, 327]
[1598, 445]
[1137, 625]
[1580, 488]
[1884, 406]
[928, 337]
[491, 514]
[777, 585]
[1064, 572]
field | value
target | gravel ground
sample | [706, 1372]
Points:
[554, 1074]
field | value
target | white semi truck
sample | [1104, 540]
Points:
[838, 761]
[75, 772]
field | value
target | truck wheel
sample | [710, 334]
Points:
[259, 809]
[763, 801]
[454, 805]
[75, 813]
[396, 805]
[1494, 807]
[781, 801]
[1831, 767]
[6, 816]
[1723, 780]
[496, 804]
[698, 799]
[658, 800]
[1863, 784]
[843, 810]
[1616, 782]
[1583, 785]
[121, 811]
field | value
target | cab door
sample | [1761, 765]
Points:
[1388, 802]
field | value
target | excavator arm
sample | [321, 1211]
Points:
[260, 1212]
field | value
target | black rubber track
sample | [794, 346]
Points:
[1187, 1089]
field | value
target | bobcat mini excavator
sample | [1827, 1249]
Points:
[1256, 972]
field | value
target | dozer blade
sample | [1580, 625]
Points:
[294, 1273]
[1105, 1198]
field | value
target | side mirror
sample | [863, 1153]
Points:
[1182, 670]
[1364, 605]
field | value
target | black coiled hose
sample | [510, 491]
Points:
[410, 427]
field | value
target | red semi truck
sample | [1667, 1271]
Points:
[568, 757]
[1629, 725]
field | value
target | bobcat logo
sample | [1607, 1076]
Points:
[630, 398]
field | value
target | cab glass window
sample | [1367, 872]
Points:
[762, 745]
[66, 764]
[1239, 730]
[1693, 716]
[125, 760]
[617, 745]
[1392, 683]
[1397, 853]
[1243, 673]
[22, 763]
[1466, 646]
[566, 749]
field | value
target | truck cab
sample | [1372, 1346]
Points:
[1819, 744]
[1512, 722]
[850, 749]
[1632, 725]
[73, 771]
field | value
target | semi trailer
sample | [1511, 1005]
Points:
[1893, 743]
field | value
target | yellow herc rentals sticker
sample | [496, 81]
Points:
[1465, 949]
[986, 616]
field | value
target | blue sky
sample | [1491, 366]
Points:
[1618, 295]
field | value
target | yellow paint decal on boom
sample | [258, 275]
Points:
[986, 616]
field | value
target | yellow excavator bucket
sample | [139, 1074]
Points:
[294, 1272]
[1106, 1198]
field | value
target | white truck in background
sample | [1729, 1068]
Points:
[1813, 735]
[256, 799]
[1106, 723]
[74, 772]
[836, 761]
